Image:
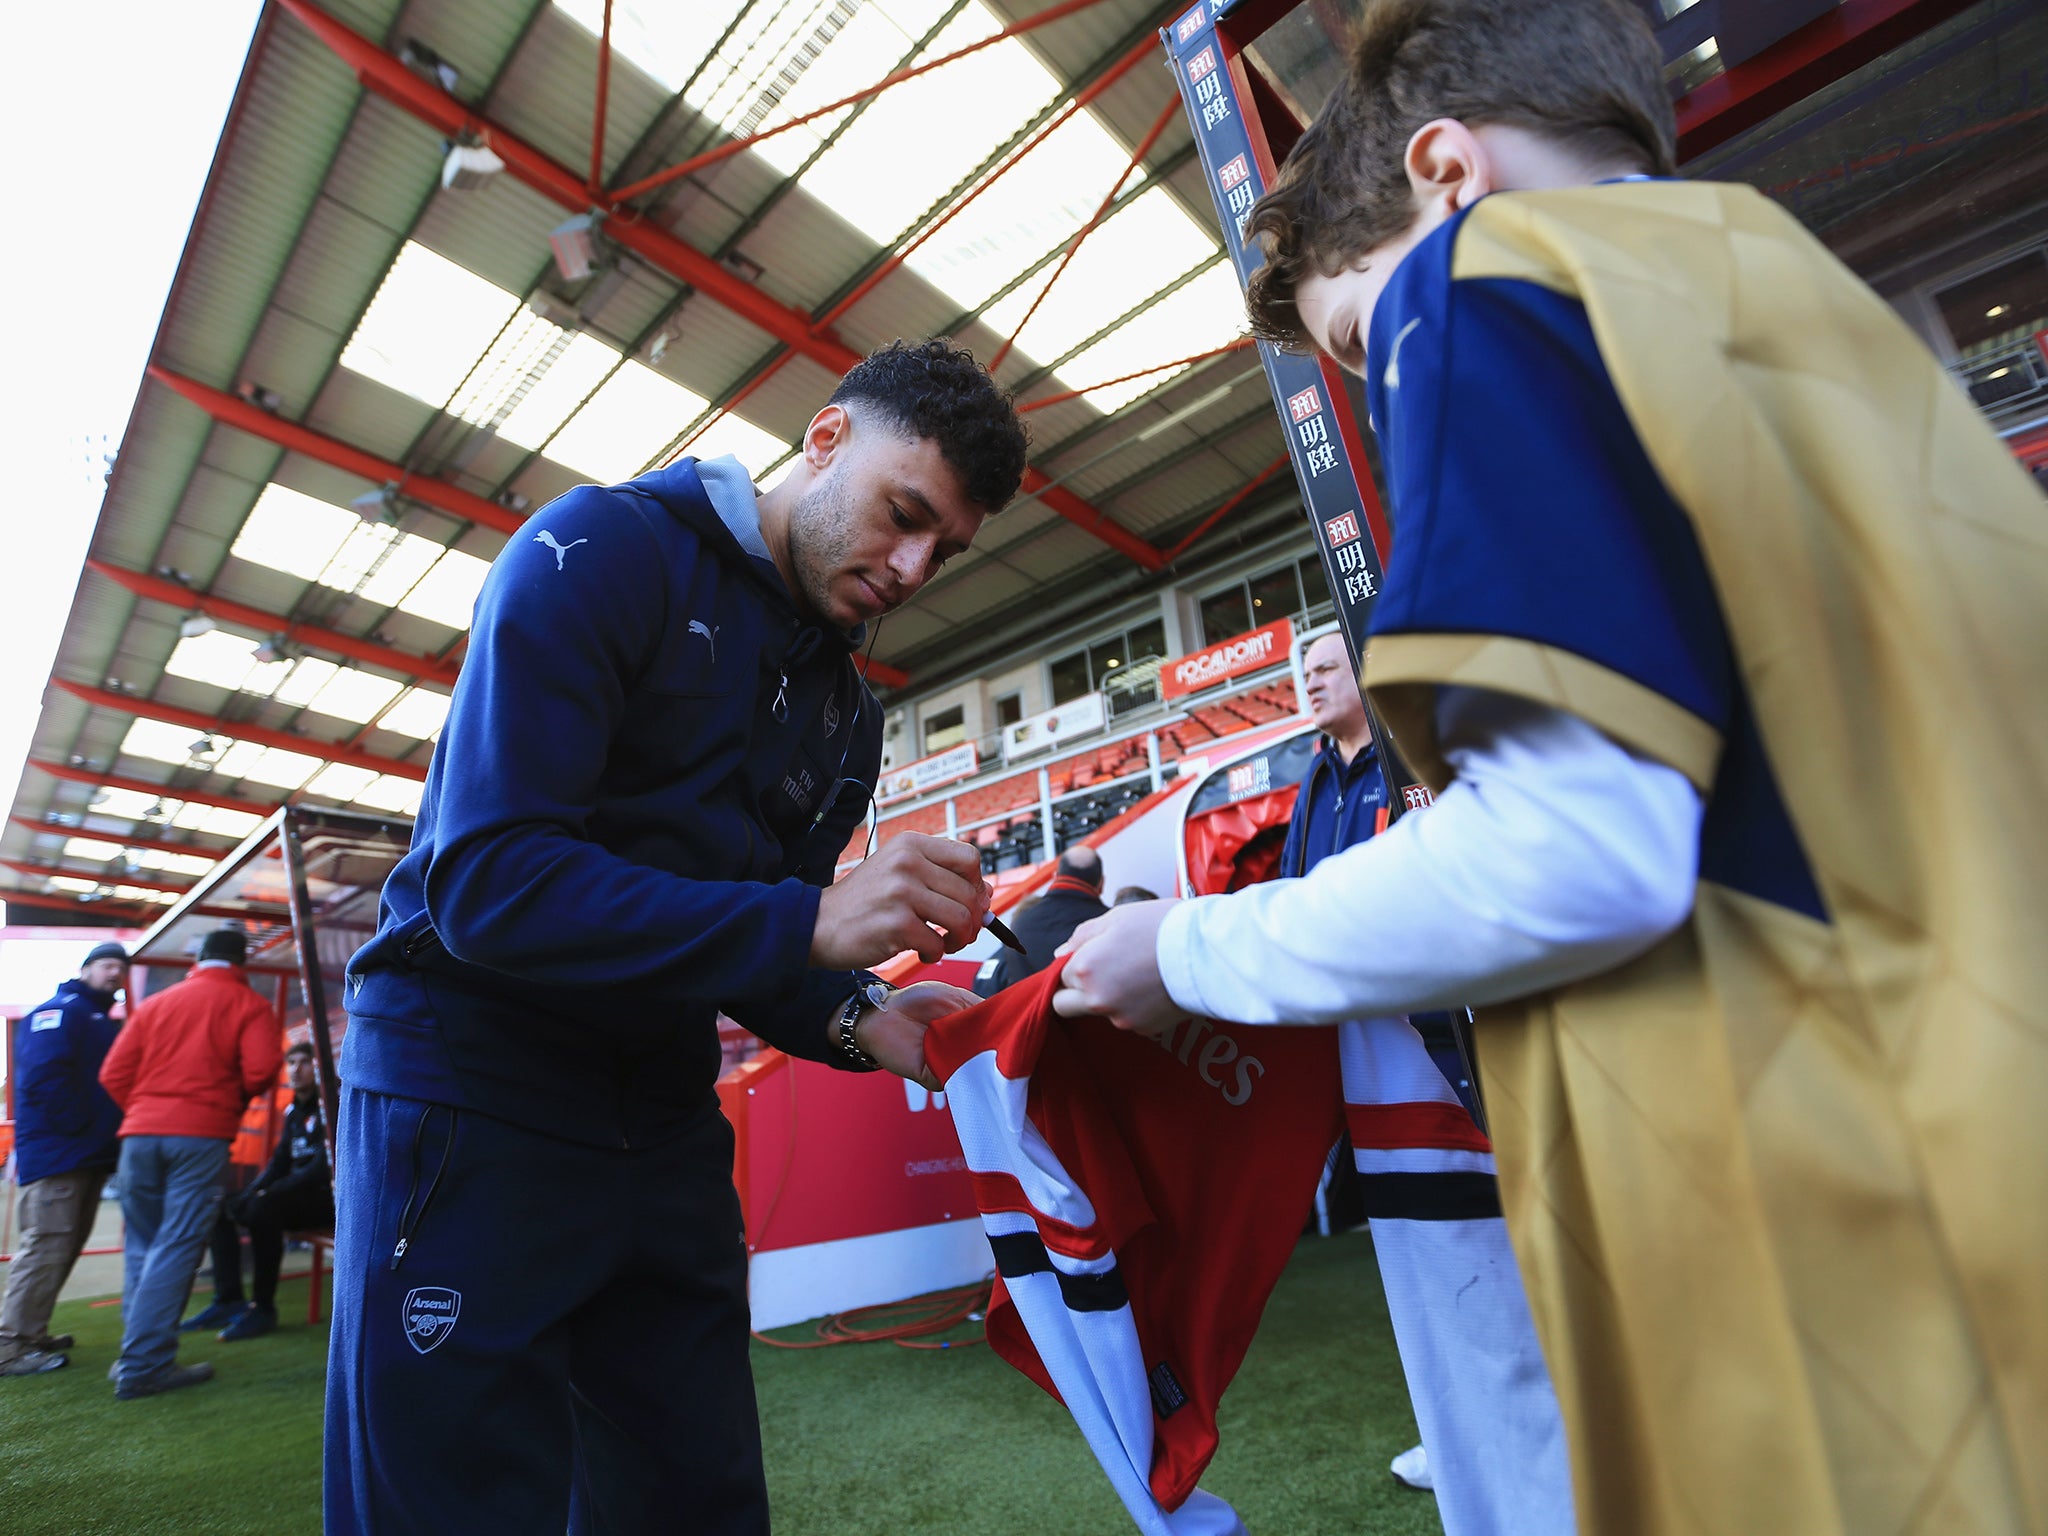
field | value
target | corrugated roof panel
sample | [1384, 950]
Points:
[91, 649]
[293, 116]
[213, 508]
[806, 250]
[705, 207]
[164, 439]
[372, 18]
[903, 304]
[499, 231]
[260, 586]
[710, 346]
[487, 461]
[388, 163]
[340, 258]
[369, 415]
[472, 35]
[785, 404]
[541, 481]
[289, 353]
[1167, 497]
[548, 94]
[634, 299]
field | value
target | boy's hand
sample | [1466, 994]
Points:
[1113, 970]
[894, 1035]
[912, 884]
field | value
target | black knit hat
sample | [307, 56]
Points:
[106, 952]
[227, 944]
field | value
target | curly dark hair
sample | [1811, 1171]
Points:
[1585, 73]
[933, 389]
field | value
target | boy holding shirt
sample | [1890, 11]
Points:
[1707, 588]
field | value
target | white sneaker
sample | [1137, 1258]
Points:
[1411, 1469]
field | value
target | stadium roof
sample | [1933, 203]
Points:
[366, 378]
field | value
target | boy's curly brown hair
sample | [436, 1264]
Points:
[1587, 73]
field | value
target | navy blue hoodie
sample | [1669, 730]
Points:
[651, 765]
[63, 1118]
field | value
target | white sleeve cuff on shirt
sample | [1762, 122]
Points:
[1554, 855]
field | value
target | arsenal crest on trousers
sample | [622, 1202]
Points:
[430, 1312]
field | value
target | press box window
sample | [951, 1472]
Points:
[1114, 659]
[1070, 677]
[1009, 709]
[947, 728]
[1315, 587]
[1280, 593]
[1225, 613]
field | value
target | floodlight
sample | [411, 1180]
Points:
[276, 648]
[469, 166]
[193, 625]
[378, 506]
[422, 60]
[100, 797]
[205, 746]
[155, 810]
[262, 396]
[574, 243]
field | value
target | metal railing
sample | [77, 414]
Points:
[1043, 808]
[2009, 381]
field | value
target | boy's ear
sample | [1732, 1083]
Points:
[1448, 168]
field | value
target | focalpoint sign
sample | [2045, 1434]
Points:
[1267, 646]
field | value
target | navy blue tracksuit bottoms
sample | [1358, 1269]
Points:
[532, 1335]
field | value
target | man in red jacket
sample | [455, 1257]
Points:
[188, 1063]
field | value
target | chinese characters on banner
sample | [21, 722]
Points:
[1328, 459]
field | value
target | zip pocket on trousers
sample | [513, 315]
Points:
[408, 1219]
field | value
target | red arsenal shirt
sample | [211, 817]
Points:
[1141, 1197]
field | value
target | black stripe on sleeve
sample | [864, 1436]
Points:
[1430, 1196]
[1021, 1253]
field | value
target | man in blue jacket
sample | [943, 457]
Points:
[66, 1143]
[1493, 1442]
[657, 752]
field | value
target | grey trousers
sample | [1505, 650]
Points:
[171, 1188]
[57, 1214]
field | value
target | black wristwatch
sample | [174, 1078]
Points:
[870, 994]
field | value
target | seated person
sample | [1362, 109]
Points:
[1043, 924]
[294, 1192]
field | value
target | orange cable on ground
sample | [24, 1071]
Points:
[906, 1324]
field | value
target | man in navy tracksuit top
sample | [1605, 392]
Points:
[1493, 1441]
[657, 751]
[66, 1143]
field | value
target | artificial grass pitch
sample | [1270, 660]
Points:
[862, 1439]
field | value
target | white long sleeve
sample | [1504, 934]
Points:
[1555, 854]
